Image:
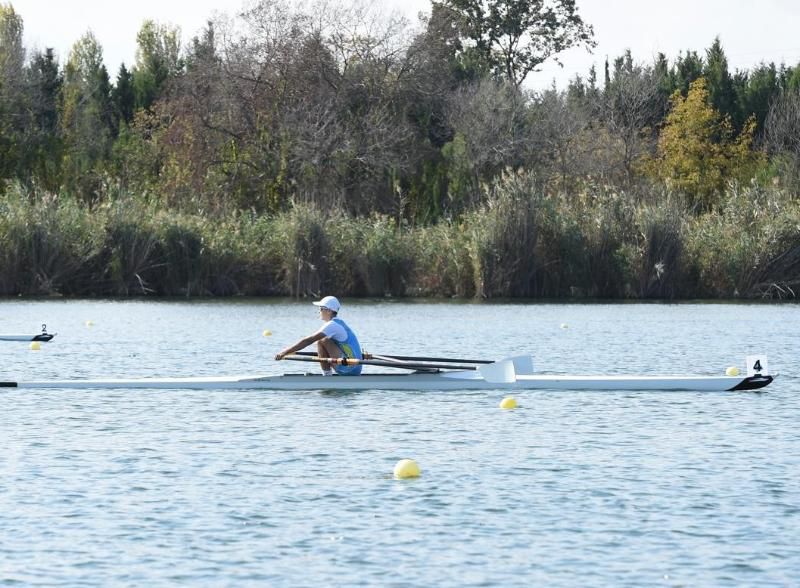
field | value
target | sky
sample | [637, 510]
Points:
[751, 31]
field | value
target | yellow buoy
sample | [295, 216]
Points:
[406, 468]
[89, 323]
[35, 346]
[732, 371]
[508, 402]
[267, 333]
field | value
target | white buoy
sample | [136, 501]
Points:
[267, 333]
[564, 326]
[89, 323]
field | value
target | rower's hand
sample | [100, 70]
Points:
[279, 356]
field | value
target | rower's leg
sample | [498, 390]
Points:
[327, 348]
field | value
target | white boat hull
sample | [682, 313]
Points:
[466, 380]
[37, 337]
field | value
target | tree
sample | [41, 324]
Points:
[782, 134]
[558, 136]
[12, 51]
[513, 37]
[433, 71]
[44, 143]
[488, 118]
[697, 150]
[685, 71]
[87, 118]
[123, 95]
[46, 81]
[203, 50]
[793, 78]
[719, 81]
[12, 98]
[630, 107]
[158, 59]
[761, 87]
[664, 79]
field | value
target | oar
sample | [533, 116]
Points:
[415, 365]
[433, 359]
[499, 372]
[411, 358]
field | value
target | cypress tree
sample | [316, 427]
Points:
[44, 138]
[686, 70]
[719, 82]
[762, 86]
[122, 95]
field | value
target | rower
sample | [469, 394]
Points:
[334, 339]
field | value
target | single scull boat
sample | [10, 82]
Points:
[501, 375]
[43, 336]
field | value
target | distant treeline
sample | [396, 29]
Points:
[292, 149]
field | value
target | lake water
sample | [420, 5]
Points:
[238, 488]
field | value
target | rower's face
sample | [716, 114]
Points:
[325, 314]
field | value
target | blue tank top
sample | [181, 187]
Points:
[350, 348]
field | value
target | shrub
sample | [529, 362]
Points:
[504, 235]
[750, 249]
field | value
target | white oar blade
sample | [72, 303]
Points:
[523, 364]
[499, 372]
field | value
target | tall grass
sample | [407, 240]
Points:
[129, 253]
[523, 242]
[47, 246]
[380, 254]
[751, 247]
[305, 265]
[655, 260]
[503, 238]
[444, 262]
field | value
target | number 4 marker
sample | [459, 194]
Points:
[757, 365]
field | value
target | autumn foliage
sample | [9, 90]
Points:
[698, 150]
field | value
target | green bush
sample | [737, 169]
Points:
[751, 248]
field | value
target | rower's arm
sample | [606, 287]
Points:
[301, 344]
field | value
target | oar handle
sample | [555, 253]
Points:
[315, 357]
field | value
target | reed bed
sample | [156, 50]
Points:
[523, 242]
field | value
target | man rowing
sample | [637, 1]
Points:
[334, 339]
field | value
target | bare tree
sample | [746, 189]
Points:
[489, 118]
[558, 136]
[630, 109]
[782, 133]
